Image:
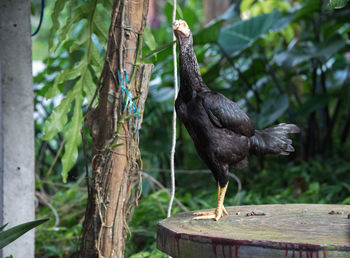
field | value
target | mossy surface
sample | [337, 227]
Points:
[295, 224]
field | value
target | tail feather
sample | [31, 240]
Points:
[273, 140]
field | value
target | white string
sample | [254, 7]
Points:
[172, 152]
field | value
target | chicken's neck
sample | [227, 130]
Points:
[190, 77]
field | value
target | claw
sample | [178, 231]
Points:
[205, 213]
[220, 210]
[203, 217]
[212, 214]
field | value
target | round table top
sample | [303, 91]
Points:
[287, 227]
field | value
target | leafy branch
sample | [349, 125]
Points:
[84, 27]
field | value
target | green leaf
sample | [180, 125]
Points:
[159, 49]
[213, 73]
[312, 104]
[148, 38]
[141, 254]
[209, 34]
[328, 48]
[80, 43]
[100, 29]
[3, 227]
[70, 74]
[178, 9]
[89, 86]
[283, 22]
[272, 110]
[240, 35]
[32, 9]
[58, 118]
[73, 138]
[52, 92]
[306, 10]
[336, 4]
[323, 51]
[97, 60]
[10, 235]
[65, 75]
[59, 5]
[292, 57]
[107, 4]
[77, 15]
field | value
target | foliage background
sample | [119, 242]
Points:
[282, 61]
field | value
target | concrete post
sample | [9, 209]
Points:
[17, 128]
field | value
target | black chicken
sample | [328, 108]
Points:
[222, 133]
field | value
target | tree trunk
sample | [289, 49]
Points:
[116, 163]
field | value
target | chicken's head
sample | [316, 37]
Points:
[181, 30]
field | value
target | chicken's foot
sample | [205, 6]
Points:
[220, 209]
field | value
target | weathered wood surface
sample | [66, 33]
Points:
[286, 230]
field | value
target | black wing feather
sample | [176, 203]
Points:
[225, 113]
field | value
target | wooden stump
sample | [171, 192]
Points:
[289, 230]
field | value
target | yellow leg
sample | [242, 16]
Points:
[220, 205]
[201, 213]
[220, 209]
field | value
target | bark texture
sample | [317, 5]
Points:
[116, 162]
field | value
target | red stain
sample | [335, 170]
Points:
[214, 250]
[294, 247]
[227, 241]
[178, 246]
[236, 251]
[223, 251]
